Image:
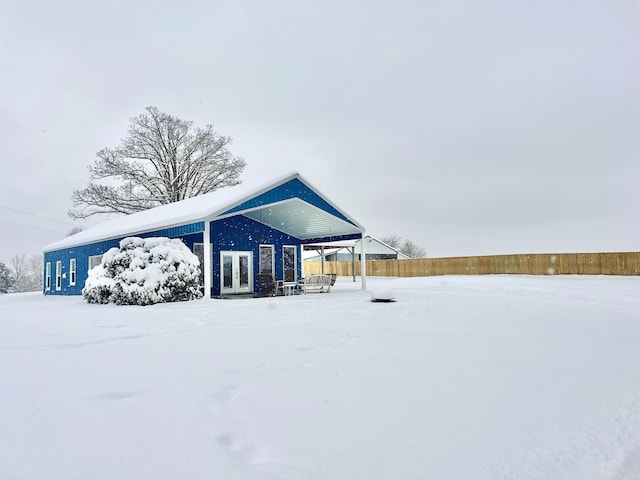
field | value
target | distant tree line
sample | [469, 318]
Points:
[22, 274]
[405, 246]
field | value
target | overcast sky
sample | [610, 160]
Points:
[469, 127]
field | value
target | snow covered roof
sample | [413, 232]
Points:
[292, 215]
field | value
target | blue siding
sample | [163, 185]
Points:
[241, 233]
[189, 234]
[236, 233]
[292, 189]
[81, 254]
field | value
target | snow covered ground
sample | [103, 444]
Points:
[493, 377]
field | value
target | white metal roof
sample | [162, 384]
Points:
[372, 246]
[293, 216]
[301, 220]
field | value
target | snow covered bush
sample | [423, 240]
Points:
[144, 271]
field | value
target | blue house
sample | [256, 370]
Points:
[236, 232]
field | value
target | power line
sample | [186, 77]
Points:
[29, 226]
[34, 215]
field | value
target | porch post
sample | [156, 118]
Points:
[353, 262]
[363, 263]
[322, 255]
[208, 267]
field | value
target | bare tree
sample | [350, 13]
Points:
[36, 271]
[405, 246]
[412, 250]
[161, 160]
[74, 230]
[20, 270]
[392, 240]
[26, 273]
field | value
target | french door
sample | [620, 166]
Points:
[236, 272]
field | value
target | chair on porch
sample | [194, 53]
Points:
[269, 286]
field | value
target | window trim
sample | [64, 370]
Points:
[91, 257]
[58, 275]
[193, 250]
[273, 255]
[47, 281]
[72, 272]
[295, 263]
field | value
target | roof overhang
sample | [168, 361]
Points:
[288, 210]
[301, 220]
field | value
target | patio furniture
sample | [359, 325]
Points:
[318, 283]
[268, 285]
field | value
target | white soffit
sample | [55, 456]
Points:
[302, 220]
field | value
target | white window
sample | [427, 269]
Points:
[72, 271]
[47, 281]
[59, 275]
[198, 251]
[94, 260]
[266, 259]
[289, 263]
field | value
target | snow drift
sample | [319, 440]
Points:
[144, 271]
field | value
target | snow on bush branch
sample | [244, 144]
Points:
[144, 271]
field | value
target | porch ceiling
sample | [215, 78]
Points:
[302, 220]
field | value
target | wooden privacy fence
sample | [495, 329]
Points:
[626, 263]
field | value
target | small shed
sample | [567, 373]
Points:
[236, 232]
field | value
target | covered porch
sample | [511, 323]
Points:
[303, 216]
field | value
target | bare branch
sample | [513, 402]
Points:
[25, 274]
[161, 160]
[406, 246]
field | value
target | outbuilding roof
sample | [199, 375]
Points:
[373, 246]
[289, 204]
